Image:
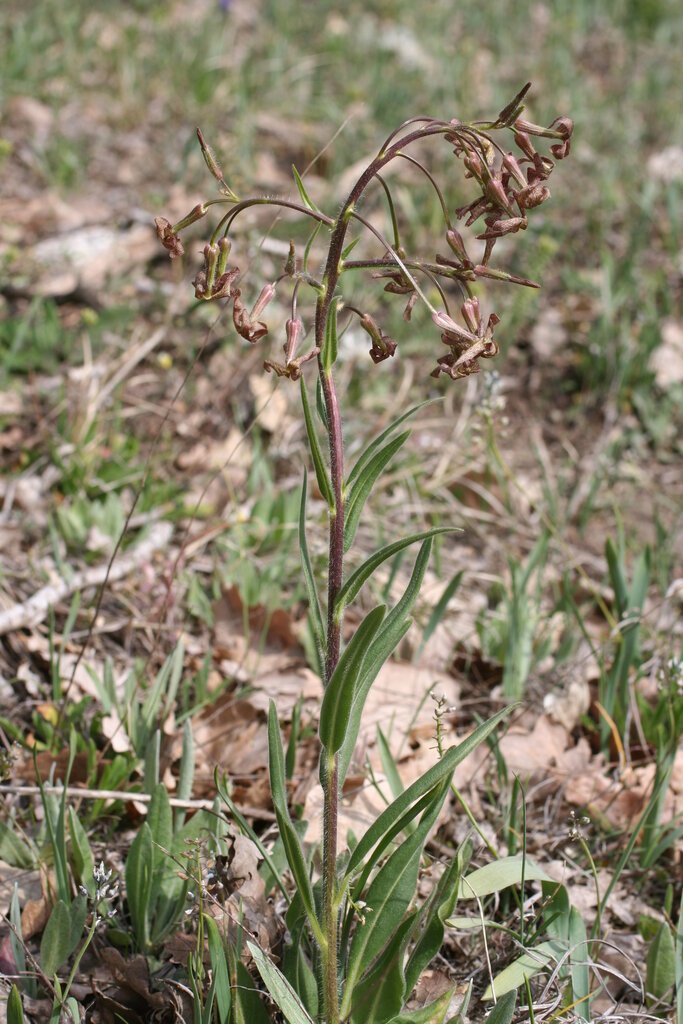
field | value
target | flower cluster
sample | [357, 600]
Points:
[104, 893]
[509, 186]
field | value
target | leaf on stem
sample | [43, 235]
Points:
[360, 490]
[341, 689]
[305, 198]
[368, 452]
[356, 580]
[316, 453]
[279, 988]
[313, 602]
[290, 839]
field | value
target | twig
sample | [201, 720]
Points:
[37, 607]
[78, 792]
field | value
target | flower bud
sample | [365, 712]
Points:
[211, 263]
[511, 164]
[195, 214]
[454, 239]
[267, 293]
[293, 328]
[471, 314]
[224, 247]
[209, 158]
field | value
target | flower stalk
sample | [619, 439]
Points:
[508, 187]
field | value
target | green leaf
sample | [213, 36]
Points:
[356, 580]
[318, 462]
[15, 1012]
[160, 821]
[527, 965]
[298, 971]
[340, 691]
[320, 402]
[439, 907]
[661, 965]
[390, 634]
[389, 896]
[380, 993]
[433, 1013]
[679, 964]
[81, 854]
[359, 492]
[54, 945]
[443, 769]
[389, 766]
[504, 1010]
[579, 961]
[13, 849]
[439, 611]
[499, 874]
[247, 1004]
[308, 203]
[139, 867]
[346, 252]
[288, 834]
[219, 967]
[77, 914]
[313, 602]
[279, 988]
[377, 443]
[328, 355]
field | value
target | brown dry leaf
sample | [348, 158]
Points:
[27, 882]
[126, 993]
[45, 762]
[667, 358]
[232, 736]
[232, 456]
[623, 801]
[538, 750]
[271, 403]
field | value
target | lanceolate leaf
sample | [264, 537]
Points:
[139, 866]
[15, 1013]
[504, 1010]
[388, 637]
[389, 896]
[290, 839]
[356, 580]
[374, 445]
[433, 1013]
[527, 965]
[313, 602]
[279, 988]
[329, 352]
[441, 770]
[56, 940]
[316, 453]
[661, 964]
[336, 705]
[308, 203]
[380, 994]
[499, 874]
[439, 907]
[362, 486]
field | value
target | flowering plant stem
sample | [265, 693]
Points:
[368, 965]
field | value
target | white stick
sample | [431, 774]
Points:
[36, 608]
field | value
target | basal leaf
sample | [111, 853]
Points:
[279, 988]
[504, 1010]
[434, 1013]
[54, 945]
[661, 965]
[389, 896]
[288, 834]
[527, 965]
[15, 1012]
[139, 868]
[380, 993]
[499, 874]
[219, 967]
